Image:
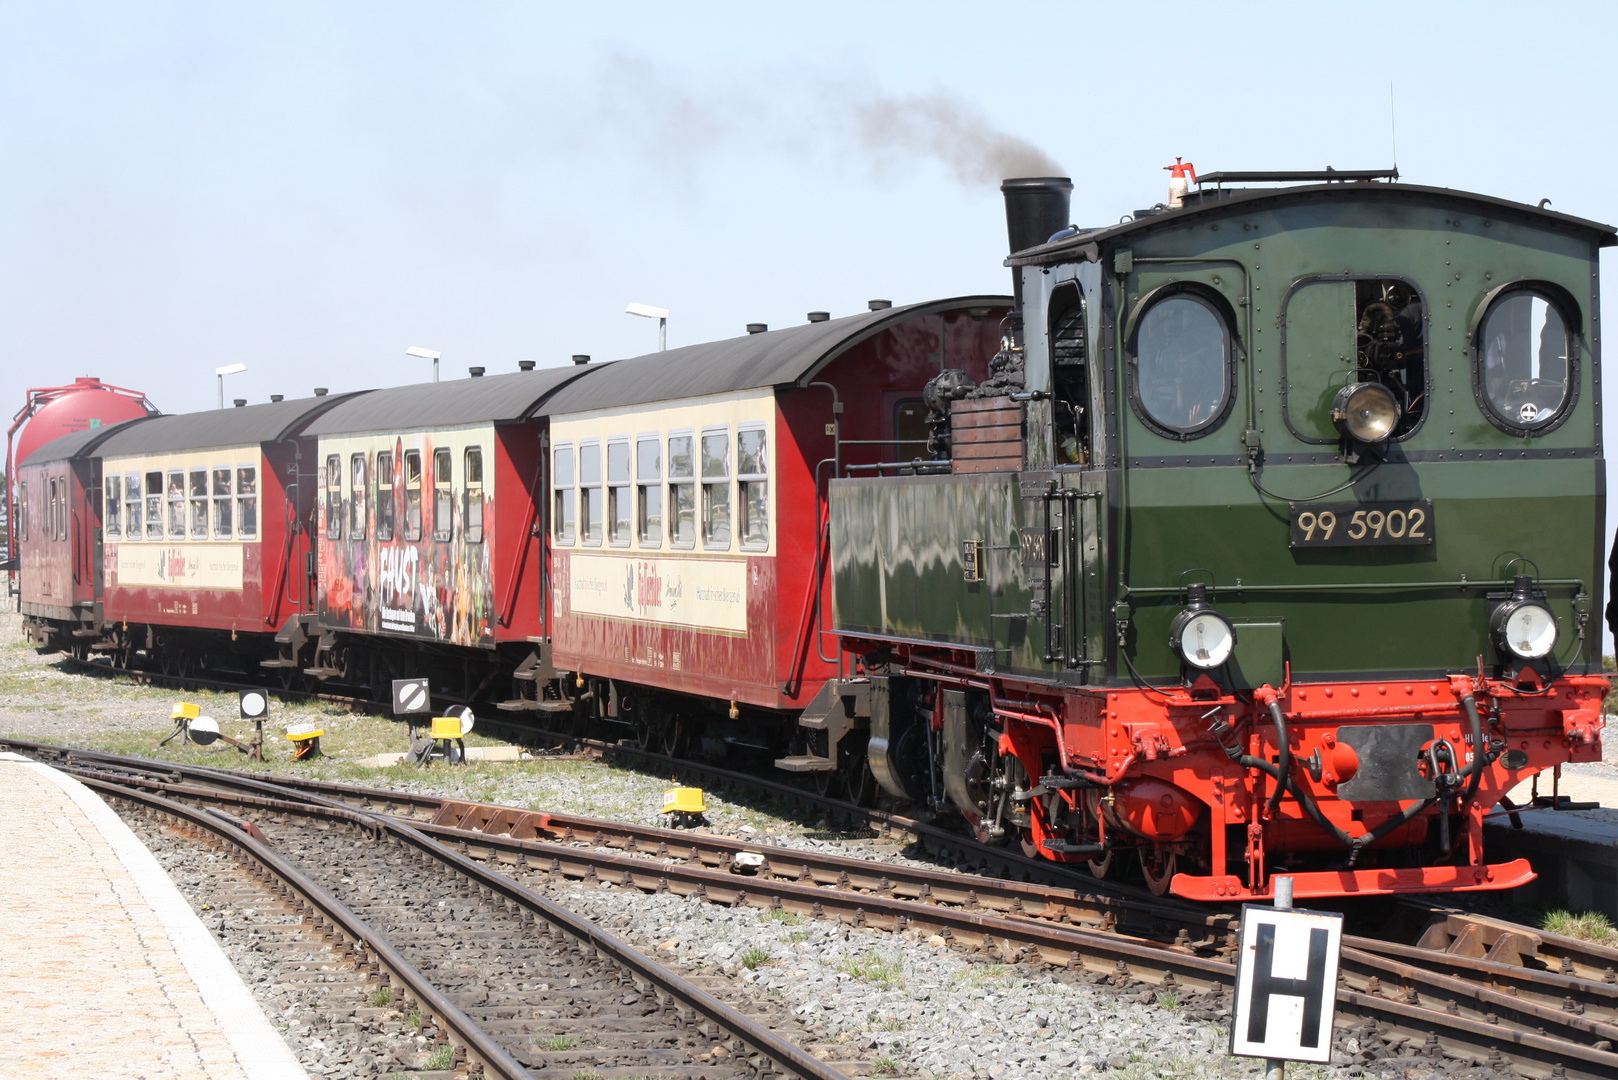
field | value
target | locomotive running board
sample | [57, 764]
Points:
[1423, 879]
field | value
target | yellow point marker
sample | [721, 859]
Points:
[685, 800]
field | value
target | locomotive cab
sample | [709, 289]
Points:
[1240, 596]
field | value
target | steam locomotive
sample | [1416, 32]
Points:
[1221, 547]
[1283, 555]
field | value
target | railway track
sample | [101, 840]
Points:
[1471, 989]
[519, 986]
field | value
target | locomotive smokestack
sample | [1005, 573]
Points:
[1036, 207]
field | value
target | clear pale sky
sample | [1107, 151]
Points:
[310, 188]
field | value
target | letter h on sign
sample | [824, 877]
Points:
[1286, 982]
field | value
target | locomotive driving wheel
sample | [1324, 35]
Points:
[1103, 866]
[1158, 866]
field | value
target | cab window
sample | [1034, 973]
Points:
[1525, 361]
[1181, 363]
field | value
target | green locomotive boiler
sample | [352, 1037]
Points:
[1272, 544]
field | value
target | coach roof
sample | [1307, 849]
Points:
[74, 444]
[486, 399]
[216, 427]
[778, 358]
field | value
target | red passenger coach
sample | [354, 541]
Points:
[57, 537]
[687, 512]
[201, 516]
[428, 531]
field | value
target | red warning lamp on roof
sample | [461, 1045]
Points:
[1178, 183]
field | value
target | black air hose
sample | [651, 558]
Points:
[1305, 800]
[1284, 766]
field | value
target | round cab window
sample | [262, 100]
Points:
[1526, 355]
[1182, 355]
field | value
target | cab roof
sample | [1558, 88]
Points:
[1085, 244]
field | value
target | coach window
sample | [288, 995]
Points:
[562, 493]
[1525, 357]
[753, 487]
[334, 497]
[199, 503]
[590, 492]
[223, 519]
[1181, 360]
[22, 513]
[246, 501]
[649, 475]
[384, 496]
[472, 515]
[131, 506]
[176, 504]
[682, 491]
[50, 510]
[359, 503]
[154, 505]
[443, 495]
[716, 490]
[114, 488]
[619, 520]
[412, 486]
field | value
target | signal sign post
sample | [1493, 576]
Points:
[1286, 983]
[411, 697]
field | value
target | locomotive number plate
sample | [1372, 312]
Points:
[1316, 525]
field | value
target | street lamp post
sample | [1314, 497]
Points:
[647, 311]
[425, 354]
[228, 369]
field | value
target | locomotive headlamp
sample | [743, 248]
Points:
[1203, 637]
[1523, 626]
[1366, 410]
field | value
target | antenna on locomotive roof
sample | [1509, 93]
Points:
[1393, 127]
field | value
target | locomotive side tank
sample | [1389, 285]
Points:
[1289, 559]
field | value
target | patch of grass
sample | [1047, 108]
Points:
[558, 1042]
[1592, 926]
[873, 967]
[381, 996]
[889, 1023]
[797, 937]
[791, 918]
[442, 1057]
[586, 1074]
[413, 1018]
[885, 1066]
[753, 956]
[1168, 999]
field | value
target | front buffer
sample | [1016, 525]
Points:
[1352, 788]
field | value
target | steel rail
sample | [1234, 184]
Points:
[1186, 925]
[645, 972]
[478, 1045]
[1559, 1042]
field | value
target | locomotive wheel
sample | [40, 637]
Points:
[828, 783]
[1103, 866]
[1030, 846]
[1158, 868]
